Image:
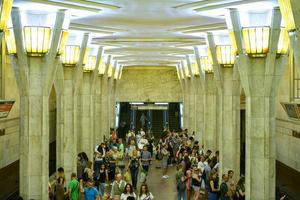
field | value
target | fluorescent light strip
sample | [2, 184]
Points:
[161, 103]
[136, 103]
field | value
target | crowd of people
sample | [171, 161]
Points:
[121, 164]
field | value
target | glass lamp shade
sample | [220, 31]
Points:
[91, 64]
[109, 72]
[86, 55]
[256, 40]
[37, 40]
[225, 55]
[233, 41]
[283, 42]
[195, 69]
[70, 56]
[101, 67]
[63, 41]
[5, 13]
[186, 69]
[287, 14]
[10, 41]
[206, 65]
[120, 73]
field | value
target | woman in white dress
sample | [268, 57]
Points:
[128, 192]
[144, 193]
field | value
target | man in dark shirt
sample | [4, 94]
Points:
[224, 192]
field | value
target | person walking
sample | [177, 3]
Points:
[90, 192]
[73, 187]
[128, 192]
[144, 193]
[134, 164]
[224, 190]
[181, 183]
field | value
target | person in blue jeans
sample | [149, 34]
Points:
[145, 158]
[181, 183]
[90, 192]
[134, 164]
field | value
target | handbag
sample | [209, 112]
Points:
[127, 176]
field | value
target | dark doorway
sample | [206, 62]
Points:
[52, 132]
[243, 142]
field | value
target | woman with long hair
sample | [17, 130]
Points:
[102, 179]
[240, 189]
[128, 192]
[144, 193]
[213, 186]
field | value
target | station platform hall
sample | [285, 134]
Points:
[149, 99]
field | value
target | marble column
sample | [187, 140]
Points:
[111, 99]
[200, 100]
[228, 108]
[260, 78]
[35, 77]
[294, 34]
[96, 100]
[210, 109]
[192, 96]
[186, 83]
[86, 134]
[104, 101]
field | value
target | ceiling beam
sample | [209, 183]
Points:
[146, 56]
[201, 3]
[91, 4]
[206, 26]
[110, 29]
[66, 5]
[224, 5]
[124, 40]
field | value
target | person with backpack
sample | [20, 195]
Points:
[134, 164]
[181, 183]
[73, 187]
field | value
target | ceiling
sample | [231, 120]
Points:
[146, 32]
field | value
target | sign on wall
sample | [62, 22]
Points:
[292, 110]
[5, 107]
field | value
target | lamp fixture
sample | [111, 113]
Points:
[37, 40]
[70, 56]
[206, 64]
[194, 66]
[256, 40]
[86, 55]
[225, 55]
[10, 41]
[63, 42]
[101, 69]
[5, 13]
[287, 14]
[283, 42]
[91, 64]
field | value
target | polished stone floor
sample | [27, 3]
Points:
[162, 188]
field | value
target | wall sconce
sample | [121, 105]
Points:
[5, 13]
[86, 55]
[206, 64]
[37, 40]
[120, 73]
[63, 42]
[110, 69]
[91, 64]
[102, 67]
[283, 42]
[287, 14]
[10, 41]
[194, 66]
[226, 55]
[70, 56]
[256, 40]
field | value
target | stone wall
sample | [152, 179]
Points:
[9, 142]
[287, 146]
[149, 84]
